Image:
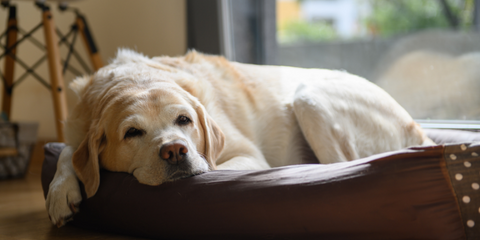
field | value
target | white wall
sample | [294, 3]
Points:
[154, 27]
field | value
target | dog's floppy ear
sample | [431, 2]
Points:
[213, 137]
[85, 159]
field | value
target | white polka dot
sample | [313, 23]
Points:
[453, 157]
[474, 154]
[475, 186]
[466, 199]
[458, 176]
[463, 147]
[478, 210]
[470, 223]
[467, 164]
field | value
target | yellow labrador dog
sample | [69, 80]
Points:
[163, 119]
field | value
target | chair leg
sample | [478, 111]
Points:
[55, 69]
[89, 42]
[9, 62]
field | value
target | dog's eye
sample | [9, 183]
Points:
[183, 120]
[133, 132]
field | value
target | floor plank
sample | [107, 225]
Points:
[22, 209]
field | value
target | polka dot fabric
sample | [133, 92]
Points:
[463, 164]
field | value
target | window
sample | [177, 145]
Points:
[425, 53]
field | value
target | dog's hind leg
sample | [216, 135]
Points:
[346, 118]
[327, 135]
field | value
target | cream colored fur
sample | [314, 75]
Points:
[243, 117]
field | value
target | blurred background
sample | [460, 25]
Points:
[150, 26]
[425, 53]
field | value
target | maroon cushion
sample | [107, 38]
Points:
[396, 195]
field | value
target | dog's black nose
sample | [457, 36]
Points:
[174, 152]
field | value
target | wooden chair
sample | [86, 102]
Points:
[52, 42]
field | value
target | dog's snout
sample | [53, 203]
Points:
[174, 152]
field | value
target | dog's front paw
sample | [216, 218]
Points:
[63, 199]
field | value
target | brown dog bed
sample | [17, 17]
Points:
[415, 193]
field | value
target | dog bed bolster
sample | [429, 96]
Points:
[405, 194]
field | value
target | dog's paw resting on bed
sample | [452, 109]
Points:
[163, 119]
[63, 200]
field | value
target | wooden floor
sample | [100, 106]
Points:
[23, 214]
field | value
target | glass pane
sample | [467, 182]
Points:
[425, 53]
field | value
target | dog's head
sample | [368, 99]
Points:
[138, 120]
